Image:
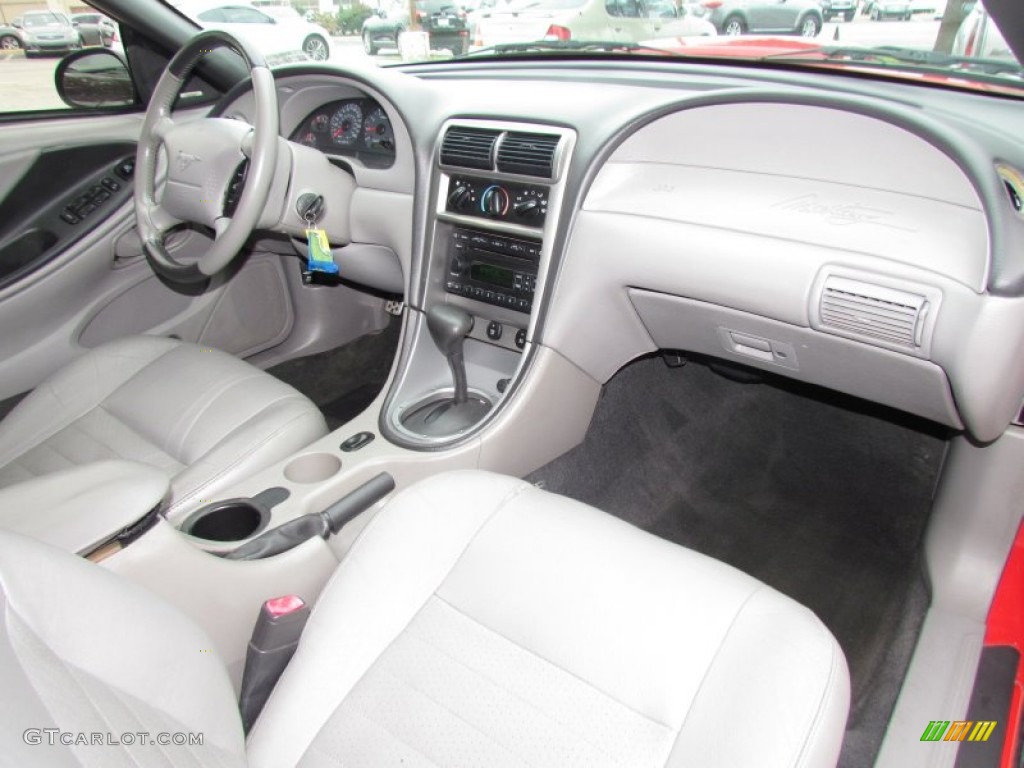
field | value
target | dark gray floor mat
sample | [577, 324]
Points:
[343, 381]
[823, 497]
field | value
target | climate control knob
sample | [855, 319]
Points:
[460, 198]
[495, 201]
[527, 209]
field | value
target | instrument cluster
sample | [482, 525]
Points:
[353, 127]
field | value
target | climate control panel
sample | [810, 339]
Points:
[503, 201]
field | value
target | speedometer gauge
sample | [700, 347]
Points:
[345, 124]
[377, 131]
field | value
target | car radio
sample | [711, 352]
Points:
[495, 269]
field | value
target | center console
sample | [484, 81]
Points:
[496, 195]
[471, 389]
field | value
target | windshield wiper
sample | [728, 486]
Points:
[886, 55]
[573, 46]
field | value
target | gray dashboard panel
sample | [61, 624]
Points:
[731, 187]
[805, 174]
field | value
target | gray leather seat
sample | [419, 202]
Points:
[476, 621]
[204, 417]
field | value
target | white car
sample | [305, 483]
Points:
[979, 37]
[278, 32]
[605, 20]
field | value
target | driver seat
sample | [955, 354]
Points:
[204, 417]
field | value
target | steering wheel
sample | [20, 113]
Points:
[208, 160]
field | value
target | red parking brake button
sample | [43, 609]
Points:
[282, 606]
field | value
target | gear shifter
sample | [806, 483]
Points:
[443, 415]
[448, 327]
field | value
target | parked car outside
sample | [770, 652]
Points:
[444, 22]
[740, 17]
[617, 20]
[315, 37]
[879, 10]
[928, 8]
[979, 37]
[276, 38]
[95, 28]
[9, 38]
[836, 9]
[47, 32]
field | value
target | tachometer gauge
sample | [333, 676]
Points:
[345, 124]
[377, 131]
[320, 123]
[308, 138]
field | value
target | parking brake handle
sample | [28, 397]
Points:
[325, 523]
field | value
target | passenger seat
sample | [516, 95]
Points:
[477, 620]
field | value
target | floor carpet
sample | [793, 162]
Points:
[344, 381]
[821, 496]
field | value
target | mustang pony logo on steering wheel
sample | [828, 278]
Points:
[185, 160]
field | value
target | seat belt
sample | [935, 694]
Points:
[272, 645]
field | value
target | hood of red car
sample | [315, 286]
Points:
[810, 53]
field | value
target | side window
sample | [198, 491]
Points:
[242, 15]
[34, 43]
[215, 14]
[629, 9]
[659, 9]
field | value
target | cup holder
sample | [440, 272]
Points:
[312, 468]
[228, 520]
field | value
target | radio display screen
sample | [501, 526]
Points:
[492, 275]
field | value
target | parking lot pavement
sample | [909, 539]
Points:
[919, 32]
[27, 83]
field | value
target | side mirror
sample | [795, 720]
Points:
[94, 80]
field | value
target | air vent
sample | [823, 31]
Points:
[873, 311]
[469, 148]
[529, 154]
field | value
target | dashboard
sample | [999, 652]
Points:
[856, 234]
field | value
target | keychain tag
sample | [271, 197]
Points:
[319, 256]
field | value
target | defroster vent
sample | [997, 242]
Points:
[469, 147]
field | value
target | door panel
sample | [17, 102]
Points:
[784, 15]
[94, 284]
[56, 198]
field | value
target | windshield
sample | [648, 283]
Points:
[956, 43]
[945, 43]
